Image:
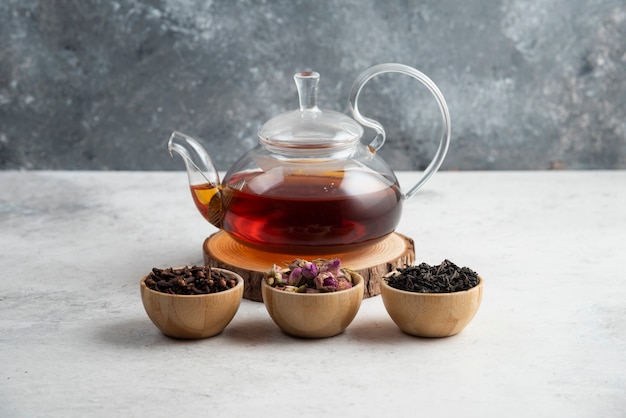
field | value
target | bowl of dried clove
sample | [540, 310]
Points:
[432, 301]
[191, 302]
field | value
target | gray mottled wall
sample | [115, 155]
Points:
[99, 84]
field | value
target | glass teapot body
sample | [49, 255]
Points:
[302, 202]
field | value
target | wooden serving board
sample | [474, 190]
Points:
[371, 262]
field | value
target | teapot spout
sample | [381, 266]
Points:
[200, 168]
[204, 180]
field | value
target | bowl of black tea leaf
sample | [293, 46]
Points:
[432, 301]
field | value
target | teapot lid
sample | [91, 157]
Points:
[310, 126]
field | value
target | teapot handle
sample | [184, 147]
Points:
[379, 140]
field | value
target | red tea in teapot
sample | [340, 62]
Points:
[281, 213]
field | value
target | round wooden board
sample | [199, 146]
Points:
[372, 262]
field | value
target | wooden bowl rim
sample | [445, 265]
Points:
[383, 283]
[240, 283]
[360, 284]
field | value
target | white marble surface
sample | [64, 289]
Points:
[549, 339]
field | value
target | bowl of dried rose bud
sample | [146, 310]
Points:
[432, 301]
[191, 302]
[312, 299]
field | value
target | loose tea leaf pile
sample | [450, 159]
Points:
[444, 278]
[194, 280]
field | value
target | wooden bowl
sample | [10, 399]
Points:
[431, 314]
[313, 315]
[192, 316]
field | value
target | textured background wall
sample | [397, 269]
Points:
[99, 84]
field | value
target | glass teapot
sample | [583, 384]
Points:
[310, 185]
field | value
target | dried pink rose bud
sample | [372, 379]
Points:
[326, 282]
[295, 276]
[343, 285]
[309, 270]
[274, 275]
[334, 266]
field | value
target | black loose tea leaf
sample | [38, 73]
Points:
[194, 280]
[444, 278]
